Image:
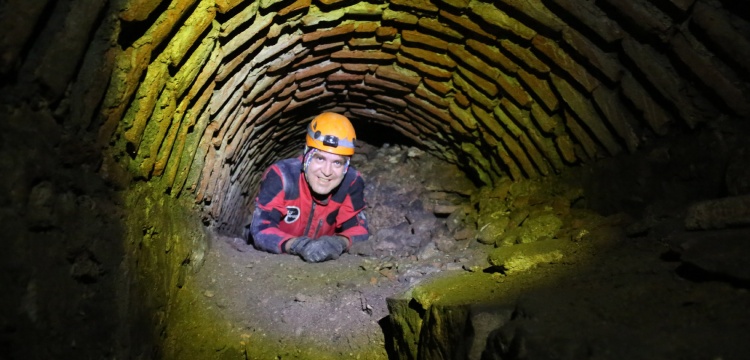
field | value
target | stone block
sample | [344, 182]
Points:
[719, 213]
[522, 257]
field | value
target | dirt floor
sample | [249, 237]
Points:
[615, 292]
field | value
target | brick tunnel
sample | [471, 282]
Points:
[188, 101]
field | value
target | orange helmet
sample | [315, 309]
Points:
[331, 132]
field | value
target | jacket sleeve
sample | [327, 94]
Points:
[269, 210]
[352, 213]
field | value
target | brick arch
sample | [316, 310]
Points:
[214, 91]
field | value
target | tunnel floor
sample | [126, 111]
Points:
[610, 297]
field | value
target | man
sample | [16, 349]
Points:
[312, 206]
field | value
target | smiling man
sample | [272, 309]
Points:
[312, 205]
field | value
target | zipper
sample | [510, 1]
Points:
[309, 219]
[320, 223]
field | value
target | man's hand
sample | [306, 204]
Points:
[323, 249]
[297, 244]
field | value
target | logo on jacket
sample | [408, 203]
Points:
[292, 214]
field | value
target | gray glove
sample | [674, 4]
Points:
[298, 244]
[323, 249]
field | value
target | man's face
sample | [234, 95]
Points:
[325, 172]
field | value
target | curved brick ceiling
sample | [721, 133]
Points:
[207, 93]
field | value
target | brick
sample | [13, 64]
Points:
[425, 93]
[356, 68]
[402, 76]
[421, 5]
[525, 56]
[344, 77]
[665, 79]
[363, 43]
[583, 108]
[593, 18]
[656, 117]
[328, 47]
[467, 120]
[374, 56]
[537, 11]
[567, 148]
[513, 88]
[590, 149]
[541, 88]
[469, 60]
[399, 103]
[511, 142]
[720, 79]
[436, 26]
[618, 116]
[400, 17]
[643, 17]
[275, 88]
[441, 88]
[411, 36]
[459, 4]
[474, 94]
[493, 54]
[422, 68]
[324, 34]
[385, 84]
[257, 26]
[429, 57]
[388, 32]
[716, 23]
[296, 6]
[311, 83]
[487, 87]
[607, 63]
[317, 71]
[534, 143]
[557, 55]
[549, 123]
[366, 27]
[461, 99]
[467, 24]
[494, 16]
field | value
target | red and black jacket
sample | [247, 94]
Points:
[285, 208]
